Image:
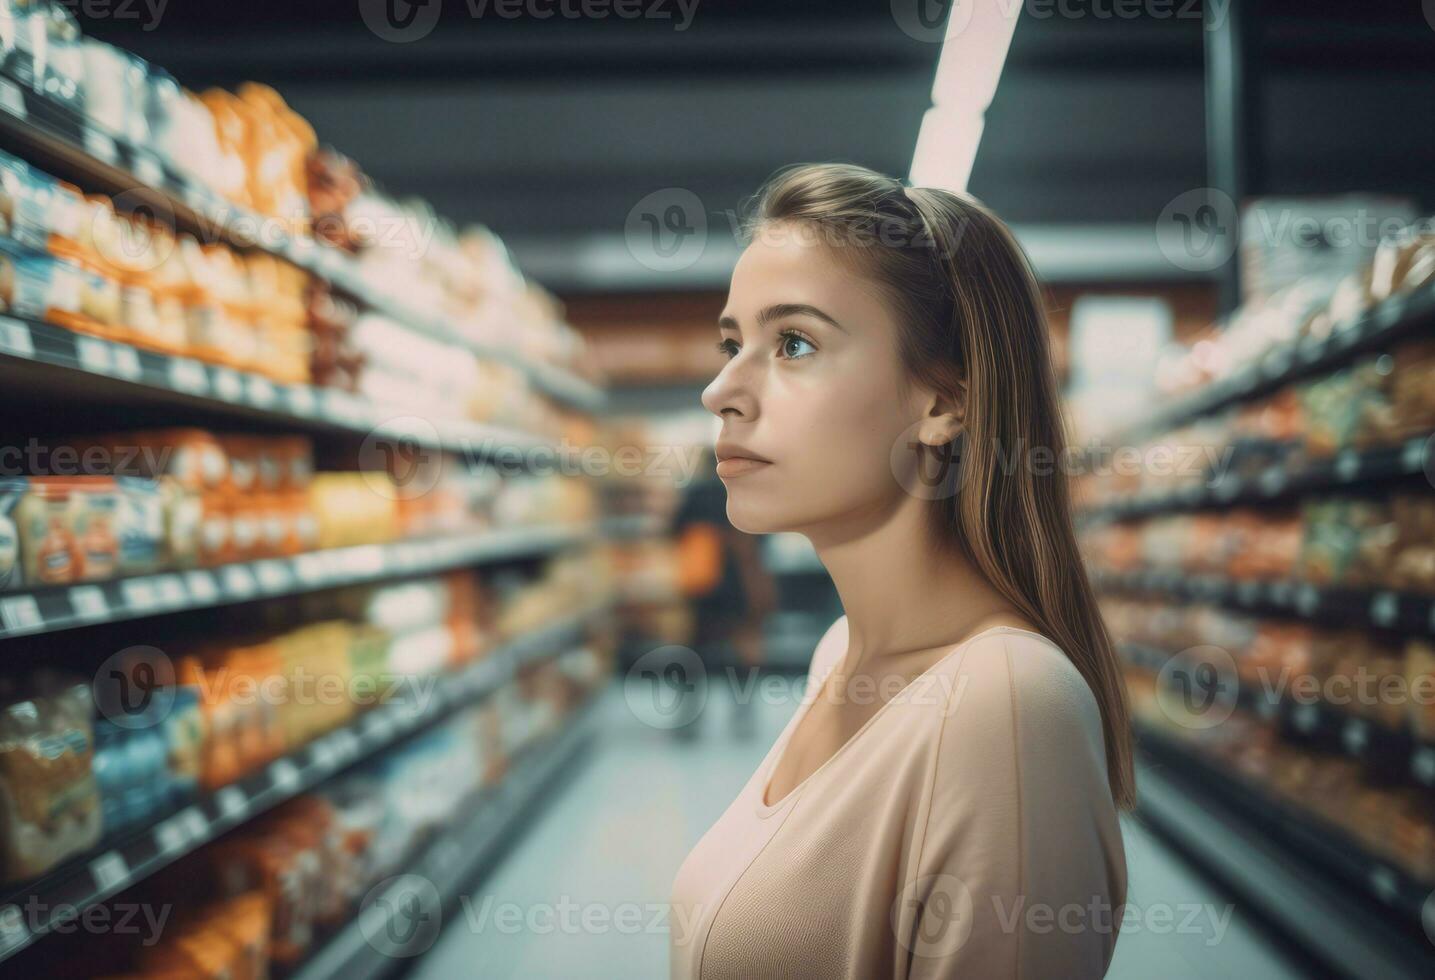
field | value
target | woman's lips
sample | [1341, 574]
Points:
[738, 465]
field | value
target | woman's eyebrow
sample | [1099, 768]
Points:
[779, 310]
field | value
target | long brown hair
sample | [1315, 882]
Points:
[971, 310]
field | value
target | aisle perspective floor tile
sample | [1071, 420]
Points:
[591, 877]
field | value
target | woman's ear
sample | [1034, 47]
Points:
[945, 417]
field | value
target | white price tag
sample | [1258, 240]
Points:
[170, 835]
[196, 824]
[140, 594]
[1307, 600]
[170, 590]
[15, 338]
[309, 568]
[231, 800]
[1384, 608]
[284, 774]
[12, 100]
[101, 145]
[1347, 464]
[202, 587]
[274, 576]
[261, 392]
[346, 743]
[238, 581]
[324, 755]
[1412, 457]
[1305, 717]
[228, 384]
[1422, 765]
[1355, 735]
[89, 602]
[94, 355]
[127, 363]
[148, 170]
[109, 870]
[188, 376]
[301, 399]
[20, 612]
[13, 932]
[379, 724]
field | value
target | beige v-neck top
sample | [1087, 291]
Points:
[966, 830]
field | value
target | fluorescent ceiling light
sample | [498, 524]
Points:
[974, 48]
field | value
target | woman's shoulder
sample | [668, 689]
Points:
[1026, 681]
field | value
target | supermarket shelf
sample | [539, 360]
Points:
[458, 855]
[1377, 608]
[623, 526]
[1295, 360]
[51, 609]
[1345, 468]
[1355, 912]
[34, 354]
[1390, 754]
[69, 890]
[54, 135]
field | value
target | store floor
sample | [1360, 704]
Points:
[581, 894]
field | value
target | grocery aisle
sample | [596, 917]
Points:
[609, 840]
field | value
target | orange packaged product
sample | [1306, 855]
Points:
[246, 526]
[219, 761]
[216, 530]
[310, 821]
[283, 873]
[244, 920]
[231, 130]
[200, 952]
[279, 146]
[243, 453]
[67, 529]
[90, 252]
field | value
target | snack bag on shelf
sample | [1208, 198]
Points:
[49, 803]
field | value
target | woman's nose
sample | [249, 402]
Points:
[732, 391]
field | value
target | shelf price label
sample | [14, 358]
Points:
[284, 774]
[127, 362]
[1422, 765]
[228, 384]
[202, 586]
[15, 338]
[89, 602]
[188, 376]
[1305, 717]
[1355, 736]
[231, 801]
[14, 934]
[1384, 608]
[101, 146]
[109, 871]
[94, 355]
[20, 613]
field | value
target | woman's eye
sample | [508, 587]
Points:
[728, 348]
[789, 340]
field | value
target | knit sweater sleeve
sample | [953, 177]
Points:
[1020, 871]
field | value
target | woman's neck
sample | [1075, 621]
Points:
[901, 591]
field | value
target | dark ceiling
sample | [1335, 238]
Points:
[550, 130]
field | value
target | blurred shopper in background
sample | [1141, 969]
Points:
[720, 569]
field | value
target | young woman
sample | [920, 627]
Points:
[944, 801]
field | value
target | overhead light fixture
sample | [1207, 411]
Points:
[974, 48]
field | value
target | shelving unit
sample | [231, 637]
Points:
[92, 878]
[458, 855]
[55, 608]
[50, 134]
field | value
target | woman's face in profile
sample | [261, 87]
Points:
[811, 383]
